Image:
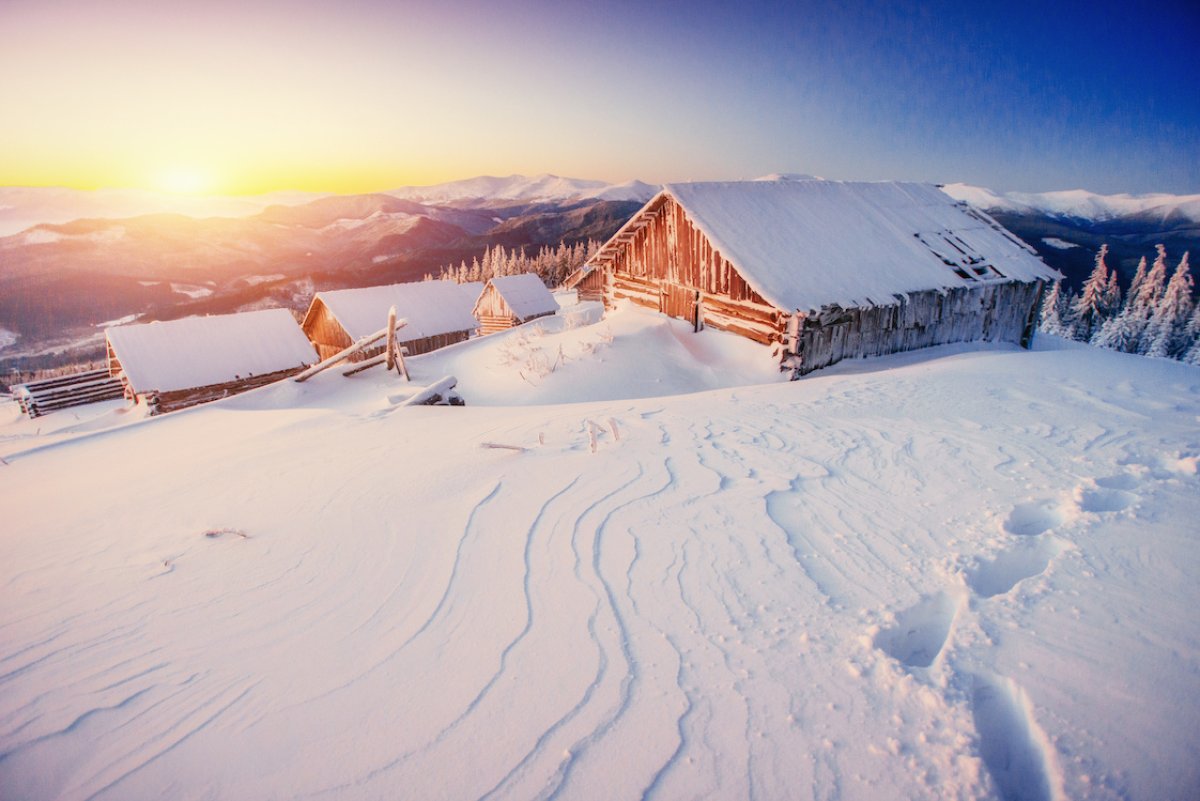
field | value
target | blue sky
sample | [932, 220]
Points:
[366, 94]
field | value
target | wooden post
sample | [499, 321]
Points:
[391, 339]
[400, 361]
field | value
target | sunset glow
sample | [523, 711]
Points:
[252, 97]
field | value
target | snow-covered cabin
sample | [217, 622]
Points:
[823, 270]
[180, 363]
[511, 300]
[438, 314]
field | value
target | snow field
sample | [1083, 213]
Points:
[953, 574]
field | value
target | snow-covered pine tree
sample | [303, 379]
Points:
[1139, 276]
[1089, 309]
[1149, 295]
[1053, 310]
[1166, 333]
[1112, 295]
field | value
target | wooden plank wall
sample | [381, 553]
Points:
[991, 312]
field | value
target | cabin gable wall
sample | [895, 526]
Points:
[670, 265]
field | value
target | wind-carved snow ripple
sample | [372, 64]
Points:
[531, 533]
[631, 681]
[526, 763]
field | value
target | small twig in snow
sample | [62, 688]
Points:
[501, 445]
[612, 423]
[213, 533]
[592, 427]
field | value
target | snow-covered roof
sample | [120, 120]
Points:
[525, 295]
[201, 351]
[472, 289]
[430, 307]
[805, 244]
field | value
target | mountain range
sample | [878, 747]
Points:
[89, 258]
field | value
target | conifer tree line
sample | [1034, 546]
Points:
[1157, 317]
[552, 265]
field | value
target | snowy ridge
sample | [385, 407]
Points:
[24, 206]
[926, 574]
[520, 187]
[1079, 203]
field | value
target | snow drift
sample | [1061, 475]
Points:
[951, 574]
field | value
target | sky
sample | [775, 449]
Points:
[362, 95]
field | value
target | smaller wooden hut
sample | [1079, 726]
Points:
[438, 313]
[511, 300]
[181, 363]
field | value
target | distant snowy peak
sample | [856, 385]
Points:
[525, 188]
[1080, 204]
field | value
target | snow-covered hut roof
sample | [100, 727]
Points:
[811, 243]
[430, 307]
[202, 351]
[525, 295]
[472, 289]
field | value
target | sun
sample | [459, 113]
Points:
[184, 180]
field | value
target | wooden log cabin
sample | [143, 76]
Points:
[180, 363]
[822, 270]
[438, 313]
[511, 300]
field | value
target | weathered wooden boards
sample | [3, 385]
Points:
[40, 397]
[992, 312]
[161, 402]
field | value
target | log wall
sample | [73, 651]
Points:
[991, 312]
[40, 397]
[160, 402]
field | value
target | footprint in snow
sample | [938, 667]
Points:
[1104, 500]
[1010, 741]
[920, 632]
[1028, 558]
[1032, 518]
